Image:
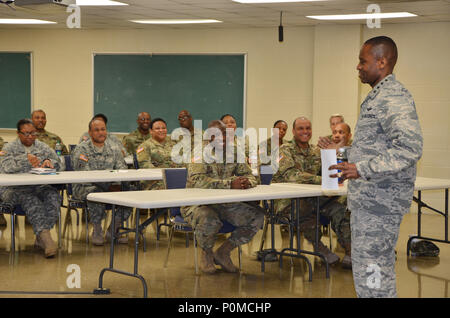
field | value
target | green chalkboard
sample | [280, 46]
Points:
[208, 86]
[15, 88]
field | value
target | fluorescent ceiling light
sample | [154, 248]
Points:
[272, 1]
[175, 21]
[363, 16]
[100, 3]
[25, 21]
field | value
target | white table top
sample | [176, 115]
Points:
[431, 183]
[64, 177]
[154, 199]
[179, 197]
[420, 184]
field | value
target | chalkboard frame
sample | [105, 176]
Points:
[13, 125]
[244, 95]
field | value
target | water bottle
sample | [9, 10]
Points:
[58, 149]
[341, 156]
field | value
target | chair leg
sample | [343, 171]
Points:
[13, 233]
[240, 257]
[169, 245]
[86, 210]
[66, 220]
[195, 255]
[330, 236]
[263, 238]
[59, 228]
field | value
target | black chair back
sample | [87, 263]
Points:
[135, 161]
[265, 174]
[175, 178]
[68, 163]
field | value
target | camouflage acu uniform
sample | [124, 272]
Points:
[133, 140]
[178, 141]
[152, 154]
[41, 203]
[265, 149]
[299, 165]
[51, 140]
[206, 219]
[387, 145]
[112, 139]
[86, 156]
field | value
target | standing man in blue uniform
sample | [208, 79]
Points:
[381, 169]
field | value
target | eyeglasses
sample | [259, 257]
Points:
[183, 118]
[33, 134]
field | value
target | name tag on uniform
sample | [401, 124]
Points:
[2, 153]
[84, 158]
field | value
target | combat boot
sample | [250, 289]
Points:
[97, 235]
[120, 240]
[47, 243]
[347, 260]
[207, 262]
[222, 257]
[330, 257]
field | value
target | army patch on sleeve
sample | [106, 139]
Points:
[139, 149]
[84, 158]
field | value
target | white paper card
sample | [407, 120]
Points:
[328, 158]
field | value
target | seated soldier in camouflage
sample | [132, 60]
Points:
[265, 149]
[300, 162]
[156, 153]
[230, 123]
[98, 153]
[342, 137]
[141, 134]
[39, 119]
[207, 219]
[111, 138]
[40, 202]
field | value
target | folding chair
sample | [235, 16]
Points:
[74, 204]
[17, 209]
[176, 179]
[13, 210]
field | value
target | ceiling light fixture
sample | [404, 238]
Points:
[363, 16]
[175, 21]
[100, 3]
[273, 1]
[25, 21]
[280, 28]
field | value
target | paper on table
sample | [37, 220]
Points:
[43, 171]
[328, 158]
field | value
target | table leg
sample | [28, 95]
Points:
[295, 207]
[100, 289]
